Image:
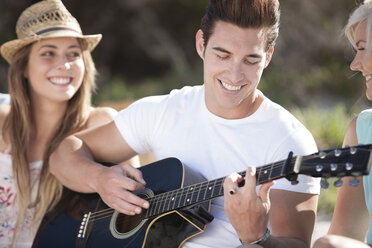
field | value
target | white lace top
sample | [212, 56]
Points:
[8, 204]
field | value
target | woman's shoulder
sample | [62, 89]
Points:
[350, 138]
[100, 115]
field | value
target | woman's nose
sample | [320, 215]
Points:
[356, 64]
[64, 64]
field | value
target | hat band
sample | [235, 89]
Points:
[47, 30]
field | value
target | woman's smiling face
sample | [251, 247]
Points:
[55, 68]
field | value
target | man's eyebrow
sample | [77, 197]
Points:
[254, 55]
[221, 50]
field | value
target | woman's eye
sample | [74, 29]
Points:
[49, 53]
[74, 54]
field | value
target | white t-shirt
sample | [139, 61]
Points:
[180, 125]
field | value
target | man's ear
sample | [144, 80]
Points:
[199, 42]
[269, 55]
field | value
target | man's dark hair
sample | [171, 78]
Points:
[244, 14]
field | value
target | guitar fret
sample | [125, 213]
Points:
[220, 192]
[282, 170]
[157, 205]
[210, 188]
[174, 199]
[152, 207]
[263, 175]
[277, 171]
[162, 203]
[186, 197]
[193, 195]
[216, 188]
[206, 194]
[271, 171]
[200, 188]
[258, 172]
[205, 189]
[180, 198]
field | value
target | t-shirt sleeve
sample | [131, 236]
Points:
[300, 142]
[363, 127]
[137, 123]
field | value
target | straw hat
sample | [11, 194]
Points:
[46, 19]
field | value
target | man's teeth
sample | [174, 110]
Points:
[368, 78]
[230, 87]
[60, 80]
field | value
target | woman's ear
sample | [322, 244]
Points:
[199, 42]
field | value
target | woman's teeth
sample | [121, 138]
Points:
[59, 80]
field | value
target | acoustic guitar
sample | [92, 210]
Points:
[180, 199]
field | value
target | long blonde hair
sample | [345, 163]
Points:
[17, 132]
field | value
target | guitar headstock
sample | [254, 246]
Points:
[340, 162]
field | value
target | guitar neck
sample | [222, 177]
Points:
[350, 161]
[208, 190]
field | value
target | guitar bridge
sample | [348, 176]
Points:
[83, 226]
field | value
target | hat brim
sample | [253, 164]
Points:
[9, 49]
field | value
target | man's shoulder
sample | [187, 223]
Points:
[281, 114]
[184, 96]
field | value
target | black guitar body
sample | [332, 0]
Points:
[171, 229]
[179, 202]
[59, 227]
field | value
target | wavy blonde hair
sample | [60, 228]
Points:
[17, 133]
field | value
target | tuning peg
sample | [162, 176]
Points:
[322, 155]
[349, 166]
[354, 182]
[319, 168]
[338, 152]
[353, 150]
[338, 182]
[324, 183]
[333, 166]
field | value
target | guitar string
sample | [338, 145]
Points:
[203, 186]
[154, 200]
[101, 214]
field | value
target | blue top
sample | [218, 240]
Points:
[364, 134]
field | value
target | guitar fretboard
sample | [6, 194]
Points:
[207, 190]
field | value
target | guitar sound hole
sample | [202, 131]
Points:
[126, 223]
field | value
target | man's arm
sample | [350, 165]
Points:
[73, 163]
[292, 215]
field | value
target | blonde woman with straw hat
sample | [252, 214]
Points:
[51, 79]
